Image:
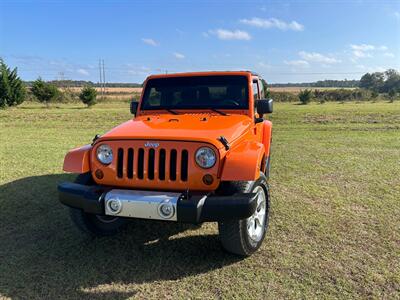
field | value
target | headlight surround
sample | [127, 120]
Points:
[104, 154]
[205, 157]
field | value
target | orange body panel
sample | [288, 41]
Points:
[201, 127]
[267, 136]
[243, 162]
[78, 160]
[188, 130]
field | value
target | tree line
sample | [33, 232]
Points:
[381, 82]
[80, 83]
[321, 83]
[13, 91]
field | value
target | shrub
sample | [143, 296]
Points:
[88, 95]
[305, 96]
[283, 96]
[44, 92]
[12, 89]
[341, 95]
[392, 94]
[320, 96]
[374, 95]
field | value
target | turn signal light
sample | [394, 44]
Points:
[99, 174]
[208, 179]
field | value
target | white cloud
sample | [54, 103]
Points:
[397, 14]
[179, 55]
[150, 42]
[361, 54]
[362, 47]
[318, 57]
[263, 65]
[297, 63]
[371, 69]
[366, 50]
[83, 72]
[389, 54]
[133, 70]
[224, 34]
[273, 23]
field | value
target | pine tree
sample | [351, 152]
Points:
[12, 89]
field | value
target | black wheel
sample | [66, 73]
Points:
[244, 237]
[95, 225]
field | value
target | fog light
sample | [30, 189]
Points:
[208, 179]
[114, 205]
[166, 209]
[99, 174]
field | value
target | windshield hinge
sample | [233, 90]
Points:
[224, 142]
[96, 137]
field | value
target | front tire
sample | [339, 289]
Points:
[91, 224]
[96, 225]
[244, 237]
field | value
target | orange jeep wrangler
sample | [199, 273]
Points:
[198, 150]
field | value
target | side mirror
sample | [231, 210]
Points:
[134, 107]
[264, 106]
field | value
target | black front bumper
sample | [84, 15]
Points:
[190, 209]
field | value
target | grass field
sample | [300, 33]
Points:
[334, 230]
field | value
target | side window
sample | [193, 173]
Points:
[262, 89]
[256, 92]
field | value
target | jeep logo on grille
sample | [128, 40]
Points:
[153, 145]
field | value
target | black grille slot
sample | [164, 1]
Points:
[130, 163]
[161, 165]
[172, 165]
[140, 166]
[120, 163]
[150, 164]
[184, 165]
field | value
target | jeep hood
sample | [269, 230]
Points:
[185, 127]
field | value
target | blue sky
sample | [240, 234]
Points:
[293, 41]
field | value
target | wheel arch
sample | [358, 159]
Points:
[243, 162]
[78, 160]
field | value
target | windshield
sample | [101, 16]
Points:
[196, 92]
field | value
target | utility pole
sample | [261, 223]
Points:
[61, 80]
[104, 78]
[101, 79]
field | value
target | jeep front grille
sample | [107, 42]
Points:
[152, 164]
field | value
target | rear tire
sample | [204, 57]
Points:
[244, 237]
[91, 224]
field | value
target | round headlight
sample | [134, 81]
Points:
[205, 157]
[104, 154]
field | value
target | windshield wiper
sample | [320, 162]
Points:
[218, 111]
[171, 111]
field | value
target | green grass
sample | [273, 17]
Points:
[334, 230]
